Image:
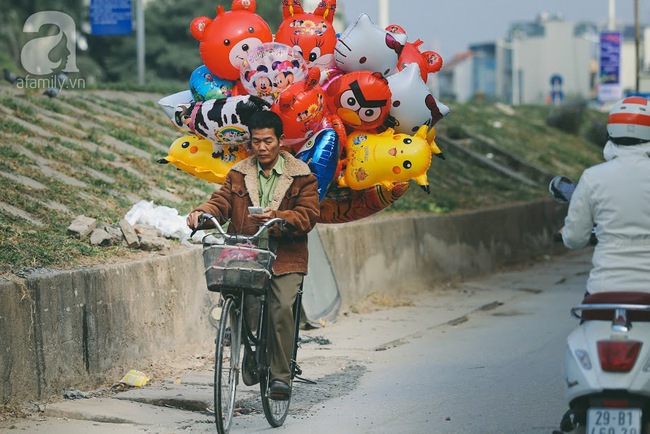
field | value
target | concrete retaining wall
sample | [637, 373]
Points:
[84, 328]
[394, 254]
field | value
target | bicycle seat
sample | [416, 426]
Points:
[639, 298]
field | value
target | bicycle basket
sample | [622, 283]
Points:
[236, 266]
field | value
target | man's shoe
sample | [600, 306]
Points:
[279, 390]
[249, 373]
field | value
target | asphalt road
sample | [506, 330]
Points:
[481, 356]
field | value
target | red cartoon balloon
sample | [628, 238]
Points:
[226, 40]
[361, 99]
[428, 61]
[311, 34]
[301, 107]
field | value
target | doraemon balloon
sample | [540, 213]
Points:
[205, 85]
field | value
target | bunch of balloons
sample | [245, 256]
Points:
[358, 107]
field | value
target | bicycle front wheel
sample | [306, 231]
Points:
[227, 364]
[275, 411]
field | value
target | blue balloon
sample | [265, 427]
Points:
[321, 153]
[205, 86]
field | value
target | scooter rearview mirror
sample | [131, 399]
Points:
[561, 189]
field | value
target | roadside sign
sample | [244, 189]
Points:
[111, 17]
[609, 78]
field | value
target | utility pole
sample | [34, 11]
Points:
[383, 13]
[139, 30]
[636, 43]
[611, 22]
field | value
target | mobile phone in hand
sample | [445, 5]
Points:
[255, 210]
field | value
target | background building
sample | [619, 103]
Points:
[546, 61]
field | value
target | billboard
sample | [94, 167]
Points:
[609, 71]
[110, 17]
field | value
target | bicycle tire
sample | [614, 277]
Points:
[227, 364]
[275, 411]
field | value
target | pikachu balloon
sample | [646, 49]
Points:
[196, 156]
[387, 158]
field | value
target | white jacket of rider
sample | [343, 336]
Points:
[614, 196]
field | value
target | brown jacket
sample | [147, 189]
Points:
[295, 200]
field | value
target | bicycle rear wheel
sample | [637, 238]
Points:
[227, 364]
[275, 411]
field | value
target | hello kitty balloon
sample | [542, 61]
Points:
[366, 46]
[413, 104]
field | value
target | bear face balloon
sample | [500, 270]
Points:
[310, 34]
[366, 46]
[412, 105]
[226, 40]
[387, 158]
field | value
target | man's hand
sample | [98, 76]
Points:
[260, 219]
[193, 219]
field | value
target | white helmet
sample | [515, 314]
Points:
[629, 120]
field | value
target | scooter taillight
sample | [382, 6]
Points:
[618, 356]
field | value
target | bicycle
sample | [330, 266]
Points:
[237, 266]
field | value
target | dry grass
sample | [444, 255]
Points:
[121, 135]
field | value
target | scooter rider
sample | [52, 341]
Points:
[614, 196]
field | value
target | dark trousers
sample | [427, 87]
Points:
[280, 300]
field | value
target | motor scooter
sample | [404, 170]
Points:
[607, 359]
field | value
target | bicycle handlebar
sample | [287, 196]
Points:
[205, 217]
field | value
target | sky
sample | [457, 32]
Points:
[451, 26]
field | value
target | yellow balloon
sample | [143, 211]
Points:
[387, 158]
[196, 156]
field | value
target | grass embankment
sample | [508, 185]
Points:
[95, 153]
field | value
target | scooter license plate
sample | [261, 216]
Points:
[614, 421]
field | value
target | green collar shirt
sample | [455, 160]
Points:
[267, 183]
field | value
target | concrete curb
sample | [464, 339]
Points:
[84, 328]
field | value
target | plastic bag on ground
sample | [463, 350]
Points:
[135, 378]
[163, 218]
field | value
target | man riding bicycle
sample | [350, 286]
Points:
[285, 188]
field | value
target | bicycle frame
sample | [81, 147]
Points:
[237, 313]
[259, 338]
